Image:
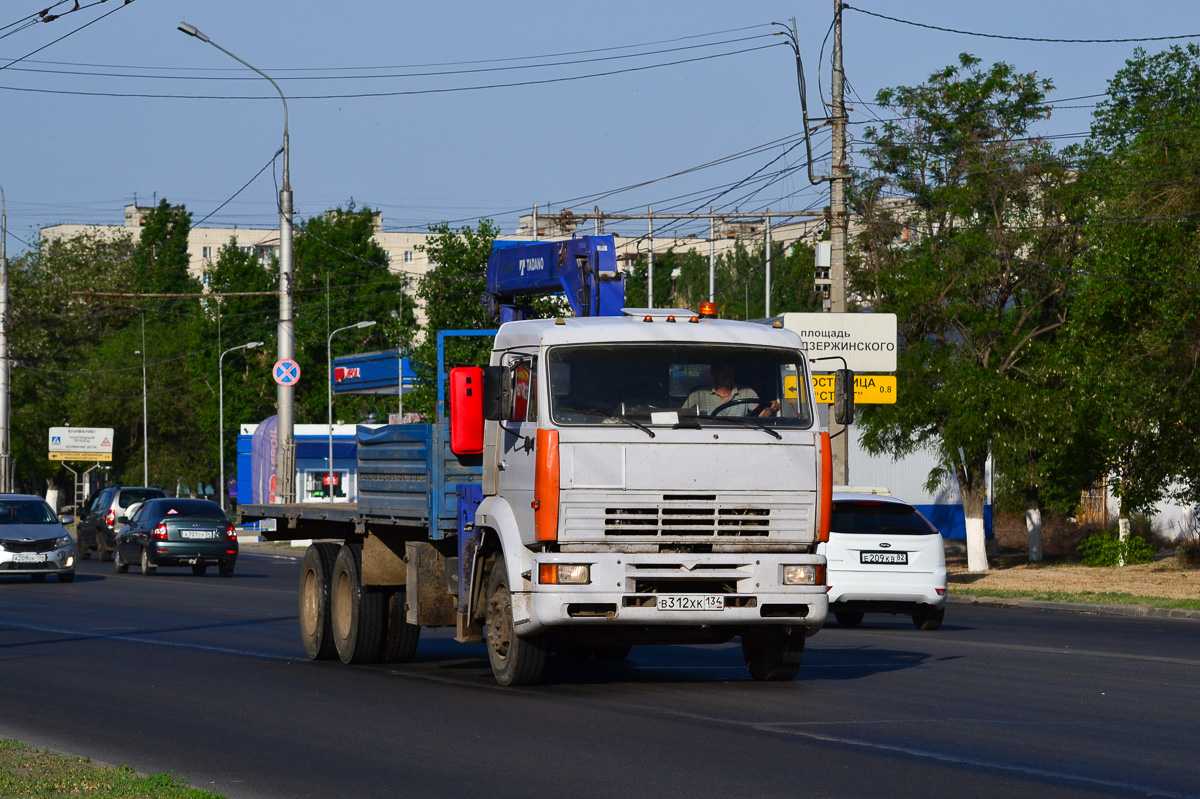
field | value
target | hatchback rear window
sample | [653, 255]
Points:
[879, 518]
[128, 498]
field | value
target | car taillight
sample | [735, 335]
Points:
[160, 532]
[111, 517]
[231, 533]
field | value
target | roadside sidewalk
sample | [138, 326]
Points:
[1077, 607]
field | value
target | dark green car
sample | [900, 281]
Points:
[177, 532]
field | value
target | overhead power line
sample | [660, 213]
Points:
[398, 93]
[274, 70]
[383, 76]
[69, 33]
[1021, 38]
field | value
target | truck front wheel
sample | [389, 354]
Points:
[515, 660]
[356, 612]
[773, 653]
[316, 576]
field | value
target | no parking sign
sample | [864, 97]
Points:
[287, 372]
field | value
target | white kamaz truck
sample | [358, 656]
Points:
[621, 477]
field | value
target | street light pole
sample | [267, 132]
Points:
[221, 411]
[145, 413]
[285, 467]
[6, 476]
[329, 361]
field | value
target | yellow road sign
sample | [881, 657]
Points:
[868, 389]
[81, 456]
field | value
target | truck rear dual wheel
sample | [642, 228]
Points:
[316, 577]
[356, 612]
[399, 637]
[515, 660]
[773, 653]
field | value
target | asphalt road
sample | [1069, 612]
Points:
[205, 678]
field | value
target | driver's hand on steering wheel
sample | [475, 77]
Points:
[771, 409]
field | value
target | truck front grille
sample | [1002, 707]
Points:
[687, 521]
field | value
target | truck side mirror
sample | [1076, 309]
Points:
[497, 393]
[466, 410]
[843, 396]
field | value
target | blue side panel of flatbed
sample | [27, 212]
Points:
[407, 477]
[408, 474]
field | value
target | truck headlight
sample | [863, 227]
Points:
[808, 574]
[564, 573]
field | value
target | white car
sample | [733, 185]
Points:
[33, 540]
[884, 557]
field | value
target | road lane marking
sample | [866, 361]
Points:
[98, 634]
[927, 754]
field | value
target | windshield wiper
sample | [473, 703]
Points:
[747, 421]
[607, 415]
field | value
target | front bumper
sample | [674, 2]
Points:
[623, 588]
[56, 561]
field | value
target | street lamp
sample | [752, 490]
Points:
[221, 412]
[285, 395]
[329, 360]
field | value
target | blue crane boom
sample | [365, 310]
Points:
[584, 269]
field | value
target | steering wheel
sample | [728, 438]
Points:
[758, 404]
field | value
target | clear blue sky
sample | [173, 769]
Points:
[419, 158]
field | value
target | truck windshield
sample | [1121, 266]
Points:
[679, 384]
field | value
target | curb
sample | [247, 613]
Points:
[1140, 611]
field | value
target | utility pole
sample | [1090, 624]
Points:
[712, 254]
[837, 232]
[6, 476]
[768, 263]
[650, 267]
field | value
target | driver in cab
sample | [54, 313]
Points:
[725, 392]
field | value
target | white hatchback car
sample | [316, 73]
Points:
[884, 557]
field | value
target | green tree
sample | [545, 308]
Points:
[954, 206]
[167, 334]
[52, 324]
[234, 320]
[1134, 323]
[453, 294]
[342, 276]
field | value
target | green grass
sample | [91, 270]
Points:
[26, 772]
[1088, 597]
